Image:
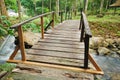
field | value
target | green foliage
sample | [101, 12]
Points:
[7, 67]
[106, 18]
[4, 26]
[31, 26]
[11, 4]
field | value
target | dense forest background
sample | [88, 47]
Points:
[29, 8]
[35, 7]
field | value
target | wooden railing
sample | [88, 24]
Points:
[85, 35]
[20, 33]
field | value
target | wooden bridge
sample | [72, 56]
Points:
[68, 41]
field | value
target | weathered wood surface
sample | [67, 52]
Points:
[59, 54]
[60, 46]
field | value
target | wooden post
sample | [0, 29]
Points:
[21, 43]
[82, 32]
[53, 16]
[42, 28]
[81, 20]
[86, 41]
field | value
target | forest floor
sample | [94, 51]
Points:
[107, 26]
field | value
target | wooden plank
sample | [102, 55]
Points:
[63, 39]
[57, 66]
[63, 36]
[56, 54]
[55, 60]
[60, 42]
[62, 45]
[69, 50]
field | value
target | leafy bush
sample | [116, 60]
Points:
[7, 67]
[4, 26]
[31, 26]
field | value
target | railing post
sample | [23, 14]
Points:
[42, 28]
[81, 19]
[82, 32]
[21, 43]
[81, 22]
[86, 42]
[53, 16]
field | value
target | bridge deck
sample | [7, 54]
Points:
[60, 46]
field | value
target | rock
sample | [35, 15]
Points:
[103, 51]
[105, 44]
[92, 51]
[117, 41]
[110, 41]
[10, 78]
[96, 42]
[118, 47]
[114, 54]
[30, 39]
[115, 76]
[118, 52]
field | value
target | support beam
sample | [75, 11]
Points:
[58, 66]
[14, 53]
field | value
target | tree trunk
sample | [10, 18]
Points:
[57, 6]
[85, 5]
[42, 6]
[50, 6]
[101, 6]
[19, 9]
[34, 2]
[66, 10]
[3, 8]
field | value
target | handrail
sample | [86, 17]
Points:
[18, 26]
[85, 35]
[26, 21]
[86, 25]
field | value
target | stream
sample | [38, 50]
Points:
[6, 48]
[110, 66]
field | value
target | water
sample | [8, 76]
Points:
[7, 48]
[110, 66]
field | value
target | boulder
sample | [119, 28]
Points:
[117, 41]
[114, 54]
[30, 39]
[96, 42]
[92, 51]
[103, 51]
[110, 41]
[118, 52]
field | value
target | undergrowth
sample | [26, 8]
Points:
[107, 26]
